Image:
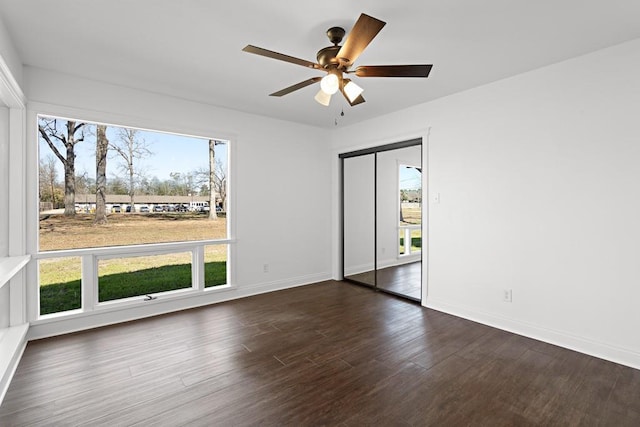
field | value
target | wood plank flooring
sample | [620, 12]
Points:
[325, 354]
[405, 279]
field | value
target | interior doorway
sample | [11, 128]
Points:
[382, 218]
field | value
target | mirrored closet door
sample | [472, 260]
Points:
[382, 218]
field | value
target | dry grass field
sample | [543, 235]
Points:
[58, 232]
[411, 215]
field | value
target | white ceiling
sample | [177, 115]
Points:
[192, 48]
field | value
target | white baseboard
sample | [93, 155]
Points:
[12, 344]
[117, 314]
[394, 262]
[619, 355]
[357, 269]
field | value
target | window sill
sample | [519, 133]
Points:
[9, 266]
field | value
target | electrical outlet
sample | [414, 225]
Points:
[506, 295]
[265, 268]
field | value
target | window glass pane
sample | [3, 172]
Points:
[215, 265]
[143, 275]
[60, 284]
[104, 185]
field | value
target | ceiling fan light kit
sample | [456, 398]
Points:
[323, 98]
[330, 83]
[352, 90]
[337, 60]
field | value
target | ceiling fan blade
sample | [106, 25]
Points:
[280, 56]
[393, 70]
[296, 86]
[364, 30]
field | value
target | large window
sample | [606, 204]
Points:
[128, 213]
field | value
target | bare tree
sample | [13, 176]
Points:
[48, 179]
[213, 179]
[183, 184]
[131, 148]
[213, 214]
[102, 148]
[68, 134]
[220, 183]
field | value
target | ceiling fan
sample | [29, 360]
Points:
[337, 60]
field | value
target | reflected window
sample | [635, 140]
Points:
[410, 209]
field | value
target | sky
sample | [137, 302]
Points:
[410, 179]
[170, 153]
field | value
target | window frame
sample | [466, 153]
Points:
[90, 256]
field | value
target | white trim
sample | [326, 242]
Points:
[9, 266]
[12, 344]
[403, 260]
[133, 250]
[573, 342]
[357, 269]
[10, 92]
[110, 118]
[426, 210]
[13, 338]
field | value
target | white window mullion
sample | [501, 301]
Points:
[197, 267]
[89, 287]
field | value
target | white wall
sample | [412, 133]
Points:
[538, 179]
[9, 55]
[281, 209]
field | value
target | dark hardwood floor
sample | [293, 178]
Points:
[325, 354]
[405, 279]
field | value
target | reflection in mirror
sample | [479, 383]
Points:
[399, 221]
[358, 225]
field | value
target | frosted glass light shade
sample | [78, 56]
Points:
[330, 83]
[323, 98]
[352, 91]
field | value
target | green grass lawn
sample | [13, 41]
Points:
[416, 244]
[63, 296]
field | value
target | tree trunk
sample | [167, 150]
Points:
[70, 183]
[69, 141]
[131, 179]
[53, 189]
[213, 213]
[70, 171]
[102, 147]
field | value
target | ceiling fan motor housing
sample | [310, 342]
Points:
[327, 57]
